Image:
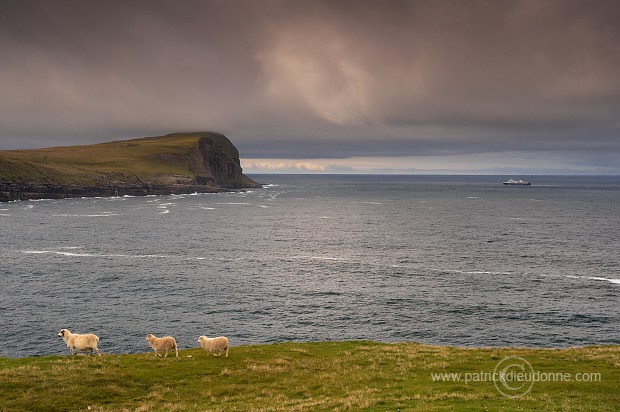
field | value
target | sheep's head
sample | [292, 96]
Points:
[62, 333]
[149, 336]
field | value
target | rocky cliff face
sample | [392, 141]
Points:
[171, 164]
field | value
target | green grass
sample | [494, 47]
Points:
[324, 376]
[145, 159]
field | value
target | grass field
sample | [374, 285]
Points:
[323, 376]
[140, 158]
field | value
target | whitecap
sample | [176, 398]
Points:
[91, 215]
[481, 272]
[474, 272]
[611, 280]
[320, 258]
[57, 252]
[104, 255]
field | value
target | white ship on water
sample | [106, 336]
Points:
[519, 182]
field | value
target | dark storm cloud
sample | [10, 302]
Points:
[315, 78]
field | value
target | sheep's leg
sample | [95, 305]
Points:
[166, 353]
[226, 351]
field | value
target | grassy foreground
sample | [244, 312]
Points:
[324, 376]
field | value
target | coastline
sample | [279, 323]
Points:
[178, 163]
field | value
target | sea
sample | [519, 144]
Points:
[444, 260]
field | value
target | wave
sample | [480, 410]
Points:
[64, 252]
[479, 272]
[89, 215]
[610, 280]
[484, 272]
[101, 255]
[338, 259]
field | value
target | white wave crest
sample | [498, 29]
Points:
[102, 255]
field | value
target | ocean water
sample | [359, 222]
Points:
[453, 260]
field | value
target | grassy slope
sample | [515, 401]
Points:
[323, 376]
[81, 164]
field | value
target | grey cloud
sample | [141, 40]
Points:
[315, 78]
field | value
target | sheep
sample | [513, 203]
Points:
[219, 344]
[84, 343]
[167, 343]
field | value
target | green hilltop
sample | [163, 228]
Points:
[175, 163]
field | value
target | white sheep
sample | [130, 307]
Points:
[167, 343]
[83, 343]
[219, 344]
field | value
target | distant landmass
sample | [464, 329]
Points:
[173, 164]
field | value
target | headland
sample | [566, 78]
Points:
[177, 163]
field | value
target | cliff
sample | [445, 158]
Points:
[172, 164]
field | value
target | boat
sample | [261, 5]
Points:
[519, 182]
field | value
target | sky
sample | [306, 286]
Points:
[324, 86]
